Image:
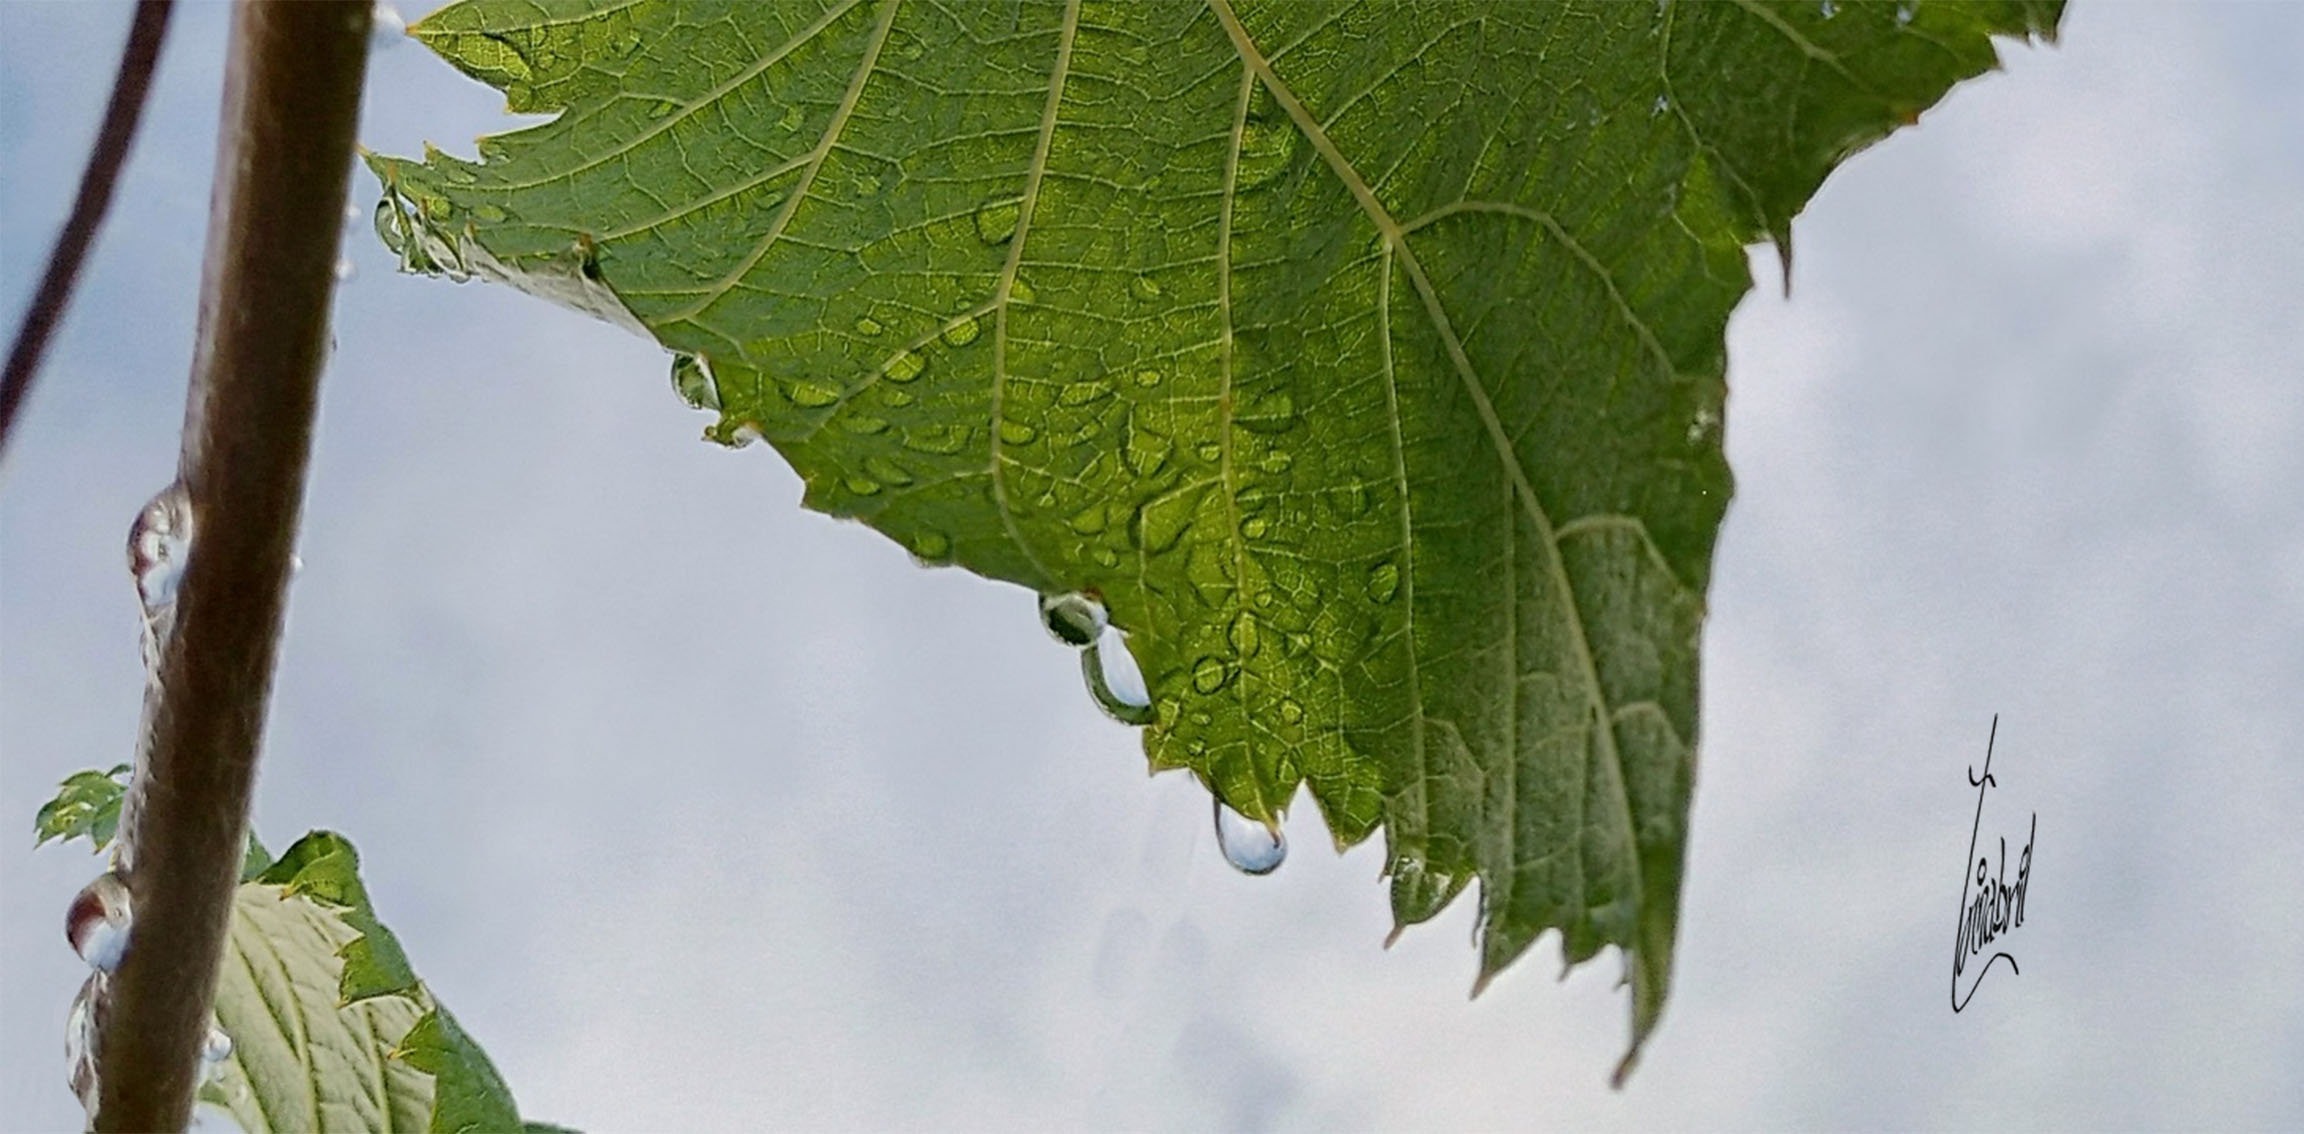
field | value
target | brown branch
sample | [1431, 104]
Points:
[121, 113]
[284, 152]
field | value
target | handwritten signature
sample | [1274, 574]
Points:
[1998, 908]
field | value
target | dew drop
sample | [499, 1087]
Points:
[1384, 581]
[791, 118]
[1251, 847]
[932, 547]
[1148, 378]
[887, 472]
[1211, 674]
[1144, 450]
[1021, 291]
[861, 485]
[962, 331]
[1082, 393]
[345, 269]
[864, 424]
[1243, 634]
[812, 394]
[1016, 433]
[489, 213]
[904, 366]
[1657, 108]
[97, 922]
[1291, 712]
[1828, 9]
[996, 220]
[1276, 462]
[1255, 527]
[692, 380]
[1088, 521]
[214, 1051]
[1074, 619]
[1144, 288]
[1273, 412]
[939, 439]
[869, 327]
[158, 545]
[1904, 15]
[1114, 681]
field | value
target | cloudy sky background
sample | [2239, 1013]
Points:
[705, 812]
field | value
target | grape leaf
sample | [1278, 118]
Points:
[1367, 361]
[330, 1027]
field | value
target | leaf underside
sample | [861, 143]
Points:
[1366, 360]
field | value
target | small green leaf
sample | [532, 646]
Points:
[87, 805]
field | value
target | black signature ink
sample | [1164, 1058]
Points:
[1999, 907]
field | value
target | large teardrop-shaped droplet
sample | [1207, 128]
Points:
[1251, 847]
[1073, 619]
[97, 922]
[1114, 682]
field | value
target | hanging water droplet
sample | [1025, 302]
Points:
[1904, 13]
[213, 1052]
[1251, 847]
[1828, 9]
[159, 543]
[345, 269]
[1114, 681]
[386, 26]
[97, 922]
[81, 1041]
[692, 380]
[1074, 618]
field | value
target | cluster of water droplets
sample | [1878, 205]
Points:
[99, 922]
[1117, 686]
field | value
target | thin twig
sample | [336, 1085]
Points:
[291, 103]
[121, 114]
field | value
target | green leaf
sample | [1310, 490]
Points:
[87, 806]
[324, 866]
[301, 1059]
[472, 1096]
[1366, 360]
[331, 1029]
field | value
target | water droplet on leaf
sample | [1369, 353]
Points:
[962, 331]
[1016, 433]
[996, 220]
[905, 366]
[887, 472]
[812, 394]
[1384, 581]
[1073, 619]
[1144, 288]
[869, 327]
[1211, 674]
[1251, 847]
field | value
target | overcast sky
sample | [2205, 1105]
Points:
[705, 812]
